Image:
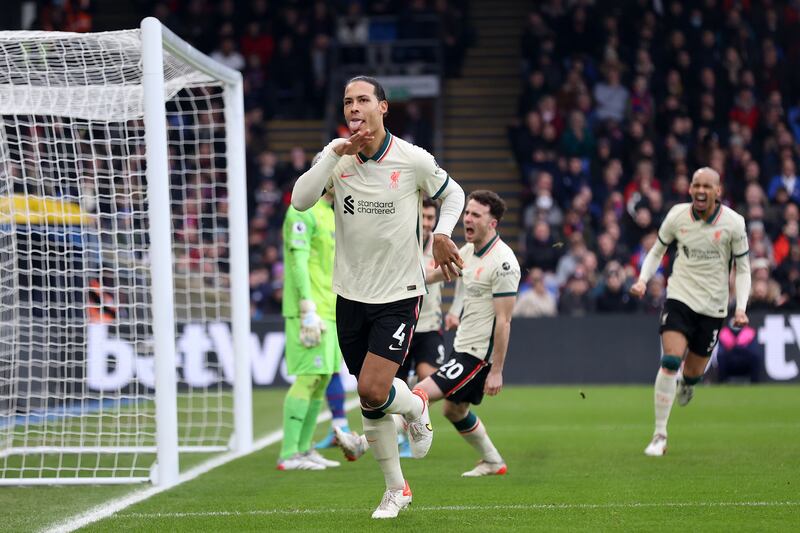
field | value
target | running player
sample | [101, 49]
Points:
[709, 237]
[485, 296]
[312, 350]
[378, 182]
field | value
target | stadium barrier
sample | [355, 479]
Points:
[589, 350]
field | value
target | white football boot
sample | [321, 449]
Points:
[486, 468]
[420, 431]
[352, 444]
[393, 502]
[315, 456]
[657, 446]
[298, 462]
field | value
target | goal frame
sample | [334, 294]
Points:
[155, 40]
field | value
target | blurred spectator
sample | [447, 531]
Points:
[577, 140]
[611, 96]
[417, 130]
[537, 300]
[256, 42]
[228, 55]
[541, 250]
[787, 179]
[613, 296]
[576, 299]
[568, 263]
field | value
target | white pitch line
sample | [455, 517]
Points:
[114, 506]
[513, 507]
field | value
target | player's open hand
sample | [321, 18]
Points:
[494, 383]
[355, 143]
[740, 319]
[639, 288]
[446, 256]
[451, 321]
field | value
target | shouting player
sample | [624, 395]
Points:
[378, 182]
[710, 238]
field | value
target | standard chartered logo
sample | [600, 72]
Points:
[367, 207]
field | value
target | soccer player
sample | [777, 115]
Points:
[312, 351]
[378, 182]
[485, 296]
[709, 238]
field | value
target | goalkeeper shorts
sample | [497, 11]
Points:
[324, 358]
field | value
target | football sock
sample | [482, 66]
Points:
[474, 432]
[692, 380]
[402, 401]
[295, 408]
[381, 436]
[314, 407]
[665, 387]
[335, 396]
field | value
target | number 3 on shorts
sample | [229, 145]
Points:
[713, 340]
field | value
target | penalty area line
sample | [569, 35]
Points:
[112, 507]
[423, 508]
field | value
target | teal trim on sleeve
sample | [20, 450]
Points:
[441, 189]
[502, 294]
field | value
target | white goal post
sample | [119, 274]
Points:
[124, 286]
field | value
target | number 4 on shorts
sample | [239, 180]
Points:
[400, 335]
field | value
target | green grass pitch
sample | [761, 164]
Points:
[574, 464]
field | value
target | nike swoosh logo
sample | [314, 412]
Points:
[395, 348]
[343, 176]
[296, 418]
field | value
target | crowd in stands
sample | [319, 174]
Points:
[621, 103]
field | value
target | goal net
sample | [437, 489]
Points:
[124, 313]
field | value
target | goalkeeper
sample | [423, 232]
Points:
[312, 349]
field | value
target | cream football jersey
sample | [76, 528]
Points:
[706, 250]
[430, 315]
[378, 209]
[491, 272]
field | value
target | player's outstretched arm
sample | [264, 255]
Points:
[742, 282]
[503, 308]
[649, 267]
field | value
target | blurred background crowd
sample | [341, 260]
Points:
[621, 101]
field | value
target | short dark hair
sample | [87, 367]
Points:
[427, 202]
[497, 207]
[379, 92]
